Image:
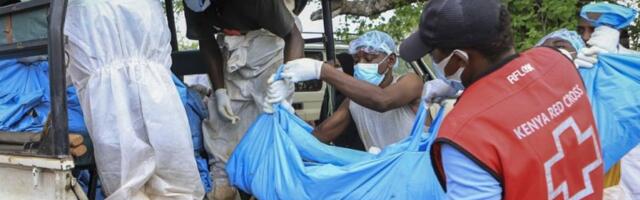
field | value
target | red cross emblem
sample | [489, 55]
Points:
[585, 139]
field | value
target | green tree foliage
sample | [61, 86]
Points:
[531, 20]
[403, 21]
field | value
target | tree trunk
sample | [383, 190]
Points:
[361, 7]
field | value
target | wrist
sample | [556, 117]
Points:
[220, 91]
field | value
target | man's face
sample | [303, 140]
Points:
[560, 44]
[377, 58]
[585, 28]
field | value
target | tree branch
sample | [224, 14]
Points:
[361, 7]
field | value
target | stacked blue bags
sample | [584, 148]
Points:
[612, 85]
[25, 104]
[25, 98]
[279, 158]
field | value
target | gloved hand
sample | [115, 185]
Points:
[302, 69]
[606, 38]
[224, 106]
[287, 106]
[587, 57]
[437, 90]
[278, 91]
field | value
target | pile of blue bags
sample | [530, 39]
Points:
[25, 98]
[25, 103]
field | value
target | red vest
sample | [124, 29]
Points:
[529, 124]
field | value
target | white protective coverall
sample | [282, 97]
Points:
[251, 60]
[119, 61]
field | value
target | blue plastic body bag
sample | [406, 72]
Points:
[25, 98]
[613, 85]
[279, 158]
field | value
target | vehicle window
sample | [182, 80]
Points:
[312, 85]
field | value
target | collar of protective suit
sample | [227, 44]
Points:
[529, 124]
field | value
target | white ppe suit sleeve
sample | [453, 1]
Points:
[120, 57]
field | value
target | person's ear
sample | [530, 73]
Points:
[392, 60]
[455, 62]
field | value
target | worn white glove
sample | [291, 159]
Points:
[286, 105]
[606, 38]
[268, 107]
[224, 106]
[437, 90]
[587, 57]
[374, 150]
[302, 69]
[278, 91]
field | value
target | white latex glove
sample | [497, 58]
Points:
[437, 90]
[286, 105]
[224, 106]
[606, 38]
[268, 107]
[587, 57]
[302, 69]
[374, 150]
[277, 92]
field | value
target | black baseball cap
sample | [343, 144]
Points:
[452, 24]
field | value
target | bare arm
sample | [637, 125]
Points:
[406, 91]
[293, 45]
[333, 126]
[210, 52]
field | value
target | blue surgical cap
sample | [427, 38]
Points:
[373, 42]
[567, 35]
[613, 15]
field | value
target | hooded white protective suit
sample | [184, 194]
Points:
[119, 61]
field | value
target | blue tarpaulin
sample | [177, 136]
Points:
[25, 98]
[613, 86]
[279, 158]
[25, 104]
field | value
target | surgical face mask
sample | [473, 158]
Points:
[369, 72]
[444, 62]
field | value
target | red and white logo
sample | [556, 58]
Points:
[583, 138]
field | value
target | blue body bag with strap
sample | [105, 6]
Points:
[279, 158]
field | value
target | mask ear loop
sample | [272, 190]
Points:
[388, 68]
[463, 55]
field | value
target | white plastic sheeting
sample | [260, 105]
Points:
[119, 60]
